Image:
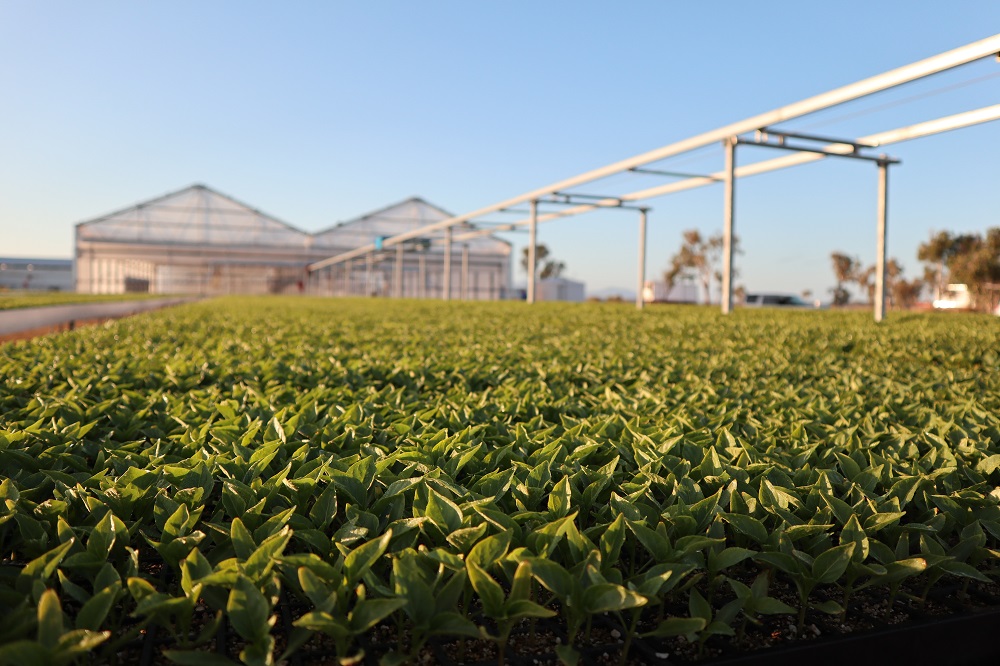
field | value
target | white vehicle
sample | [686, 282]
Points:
[953, 297]
[762, 300]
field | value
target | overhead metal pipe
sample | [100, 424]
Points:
[880, 246]
[668, 174]
[898, 135]
[729, 211]
[888, 137]
[532, 239]
[639, 300]
[983, 48]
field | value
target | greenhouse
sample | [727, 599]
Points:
[192, 241]
[199, 241]
[478, 267]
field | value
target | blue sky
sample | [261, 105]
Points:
[319, 112]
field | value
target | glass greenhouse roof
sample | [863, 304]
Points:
[200, 216]
[195, 215]
[396, 219]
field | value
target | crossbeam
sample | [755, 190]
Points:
[821, 151]
[569, 195]
[765, 132]
[568, 201]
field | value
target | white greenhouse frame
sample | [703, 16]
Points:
[730, 136]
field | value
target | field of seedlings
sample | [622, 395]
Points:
[365, 481]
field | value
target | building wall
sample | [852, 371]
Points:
[36, 274]
[422, 277]
[560, 289]
[114, 268]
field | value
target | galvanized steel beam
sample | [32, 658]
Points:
[889, 137]
[942, 62]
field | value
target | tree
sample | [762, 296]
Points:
[865, 279]
[969, 259]
[845, 270]
[549, 269]
[701, 256]
[905, 293]
[900, 293]
[541, 252]
[671, 274]
[840, 296]
[936, 253]
[976, 263]
[933, 278]
[897, 289]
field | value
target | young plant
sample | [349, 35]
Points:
[54, 646]
[342, 609]
[654, 585]
[506, 612]
[808, 572]
[754, 602]
[431, 599]
[703, 622]
[582, 593]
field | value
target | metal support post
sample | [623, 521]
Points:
[347, 278]
[369, 260]
[447, 264]
[398, 274]
[422, 275]
[532, 236]
[465, 272]
[639, 300]
[883, 214]
[729, 197]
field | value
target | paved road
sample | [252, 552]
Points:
[18, 320]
